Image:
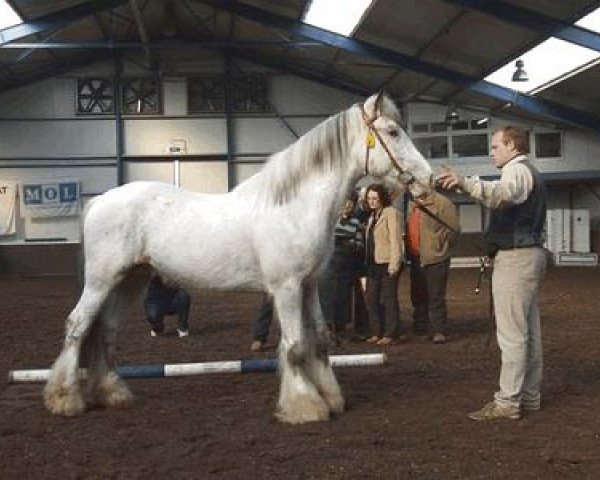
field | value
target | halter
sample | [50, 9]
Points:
[373, 134]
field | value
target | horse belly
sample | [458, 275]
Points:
[209, 264]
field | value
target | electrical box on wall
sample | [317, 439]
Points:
[580, 221]
[558, 230]
[568, 237]
[176, 147]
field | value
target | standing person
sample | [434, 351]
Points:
[432, 229]
[343, 269]
[161, 300]
[361, 322]
[514, 235]
[384, 260]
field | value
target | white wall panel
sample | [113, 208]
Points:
[94, 180]
[205, 177]
[54, 97]
[57, 139]
[152, 137]
[302, 125]
[151, 171]
[243, 171]
[66, 228]
[296, 96]
[174, 99]
[470, 218]
[582, 150]
[261, 135]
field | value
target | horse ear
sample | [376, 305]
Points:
[373, 104]
[378, 101]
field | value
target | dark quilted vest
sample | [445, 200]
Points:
[522, 225]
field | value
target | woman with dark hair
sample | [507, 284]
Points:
[384, 260]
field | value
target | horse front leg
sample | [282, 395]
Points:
[318, 368]
[299, 399]
[62, 393]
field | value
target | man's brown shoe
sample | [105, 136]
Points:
[439, 338]
[495, 411]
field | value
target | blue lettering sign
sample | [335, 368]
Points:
[32, 194]
[68, 192]
[50, 192]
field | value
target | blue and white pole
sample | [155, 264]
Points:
[253, 365]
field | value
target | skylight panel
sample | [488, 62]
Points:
[8, 17]
[550, 62]
[337, 16]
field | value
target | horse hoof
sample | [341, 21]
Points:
[114, 393]
[64, 401]
[120, 398]
[335, 403]
[303, 409]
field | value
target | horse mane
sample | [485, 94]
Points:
[325, 147]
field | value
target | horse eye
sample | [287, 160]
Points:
[394, 132]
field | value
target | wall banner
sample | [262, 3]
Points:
[8, 196]
[50, 199]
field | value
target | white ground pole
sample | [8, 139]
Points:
[253, 365]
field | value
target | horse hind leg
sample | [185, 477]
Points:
[105, 386]
[319, 368]
[62, 393]
[299, 401]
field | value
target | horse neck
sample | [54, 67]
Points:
[321, 165]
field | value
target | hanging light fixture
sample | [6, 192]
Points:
[451, 115]
[520, 74]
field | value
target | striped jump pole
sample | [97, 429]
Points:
[158, 370]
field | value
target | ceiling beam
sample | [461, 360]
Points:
[511, 13]
[175, 44]
[543, 108]
[282, 65]
[139, 21]
[56, 20]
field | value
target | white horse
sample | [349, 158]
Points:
[273, 232]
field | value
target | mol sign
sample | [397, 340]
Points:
[50, 199]
[50, 193]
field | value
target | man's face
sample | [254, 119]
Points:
[501, 153]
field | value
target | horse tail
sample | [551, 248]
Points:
[80, 267]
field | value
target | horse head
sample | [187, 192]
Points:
[390, 153]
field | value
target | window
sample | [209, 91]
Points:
[465, 138]
[460, 125]
[95, 96]
[141, 96]
[420, 128]
[548, 145]
[8, 16]
[206, 94]
[432, 147]
[470, 145]
[250, 94]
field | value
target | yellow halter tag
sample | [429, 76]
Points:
[371, 139]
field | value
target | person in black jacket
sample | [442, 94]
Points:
[161, 300]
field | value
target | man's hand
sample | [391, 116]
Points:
[448, 179]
